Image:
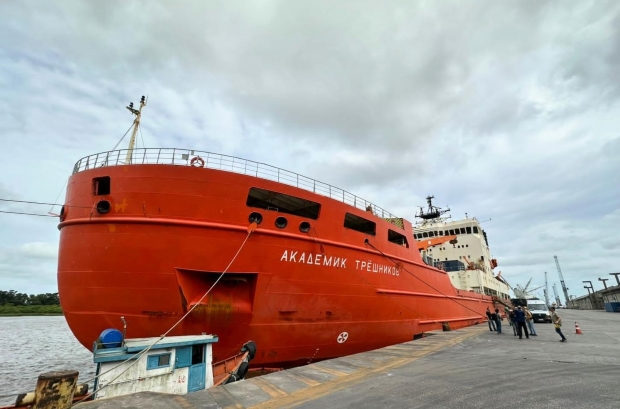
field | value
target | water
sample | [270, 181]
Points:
[30, 346]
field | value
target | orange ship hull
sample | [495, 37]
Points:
[301, 296]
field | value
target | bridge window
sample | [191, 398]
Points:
[475, 230]
[283, 203]
[424, 234]
[468, 229]
[397, 238]
[452, 233]
[360, 224]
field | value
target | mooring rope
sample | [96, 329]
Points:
[415, 276]
[251, 229]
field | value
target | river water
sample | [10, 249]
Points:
[30, 346]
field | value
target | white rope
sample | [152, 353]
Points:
[144, 351]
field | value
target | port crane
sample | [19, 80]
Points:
[557, 297]
[557, 263]
[546, 290]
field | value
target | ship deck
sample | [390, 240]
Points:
[217, 161]
[467, 368]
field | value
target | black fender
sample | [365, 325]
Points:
[250, 348]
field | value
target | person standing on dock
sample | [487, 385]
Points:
[520, 318]
[490, 321]
[529, 319]
[513, 322]
[557, 321]
[497, 319]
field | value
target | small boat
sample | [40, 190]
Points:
[173, 365]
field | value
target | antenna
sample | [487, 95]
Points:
[136, 124]
[433, 212]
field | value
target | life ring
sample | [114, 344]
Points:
[197, 161]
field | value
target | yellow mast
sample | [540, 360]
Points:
[136, 124]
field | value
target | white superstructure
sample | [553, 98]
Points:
[460, 248]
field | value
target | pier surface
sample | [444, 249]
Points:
[467, 368]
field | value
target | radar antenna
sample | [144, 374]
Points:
[432, 212]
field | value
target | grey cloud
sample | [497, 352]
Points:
[367, 73]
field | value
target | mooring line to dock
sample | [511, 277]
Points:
[251, 228]
[377, 289]
[415, 276]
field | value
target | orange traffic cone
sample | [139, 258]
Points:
[578, 330]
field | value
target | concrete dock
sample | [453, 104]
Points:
[467, 368]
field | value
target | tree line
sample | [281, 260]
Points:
[13, 298]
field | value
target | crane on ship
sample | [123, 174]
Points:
[470, 265]
[525, 292]
[424, 244]
[557, 263]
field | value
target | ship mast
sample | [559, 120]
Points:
[136, 125]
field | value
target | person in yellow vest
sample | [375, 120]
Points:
[529, 319]
[557, 321]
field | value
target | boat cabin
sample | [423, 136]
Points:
[176, 365]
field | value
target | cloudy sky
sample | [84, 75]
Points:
[506, 111]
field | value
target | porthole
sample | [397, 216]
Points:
[63, 213]
[256, 217]
[281, 222]
[304, 227]
[103, 206]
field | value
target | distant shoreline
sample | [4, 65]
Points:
[32, 314]
[29, 310]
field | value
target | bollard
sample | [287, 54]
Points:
[25, 399]
[55, 390]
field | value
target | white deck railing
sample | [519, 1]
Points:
[183, 157]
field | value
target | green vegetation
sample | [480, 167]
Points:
[13, 310]
[13, 303]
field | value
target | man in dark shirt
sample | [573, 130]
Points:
[496, 317]
[490, 321]
[513, 322]
[521, 327]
